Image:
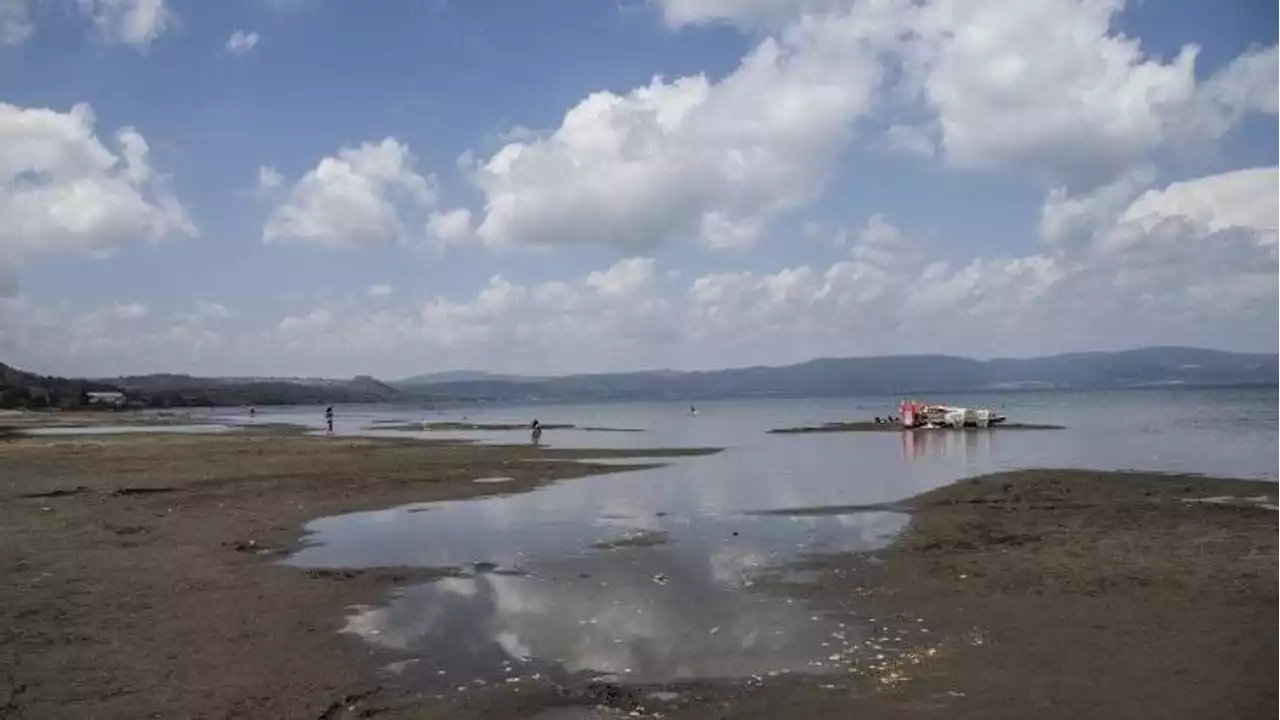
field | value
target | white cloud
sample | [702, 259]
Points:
[129, 22]
[882, 243]
[626, 278]
[305, 330]
[1045, 87]
[746, 13]
[1193, 262]
[15, 22]
[379, 291]
[358, 198]
[449, 227]
[1240, 200]
[1248, 84]
[63, 190]
[690, 159]
[1243, 198]
[242, 42]
[1066, 218]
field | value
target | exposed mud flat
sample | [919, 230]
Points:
[1067, 594]
[142, 578]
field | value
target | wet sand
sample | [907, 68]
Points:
[140, 582]
[1069, 594]
[139, 577]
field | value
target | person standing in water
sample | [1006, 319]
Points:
[328, 419]
[537, 430]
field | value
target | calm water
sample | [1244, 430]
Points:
[649, 575]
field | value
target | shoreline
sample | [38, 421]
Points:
[126, 552]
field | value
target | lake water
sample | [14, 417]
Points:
[649, 575]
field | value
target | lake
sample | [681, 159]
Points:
[646, 575]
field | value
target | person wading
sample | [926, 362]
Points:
[328, 420]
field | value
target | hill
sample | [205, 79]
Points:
[1143, 367]
[884, 375]
[457, 376]
[21, 389]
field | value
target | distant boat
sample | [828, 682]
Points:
[914, 414]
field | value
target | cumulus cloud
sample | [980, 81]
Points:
[689, 158]
[1192, 262]
[1043, 86]
[1066, 218]
[449, 227]
[242, 42]
[364, 196]
[1048, 89]
[63, 190]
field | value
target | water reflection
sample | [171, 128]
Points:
[967, 446]
[642, 615]
[567, 588]
[647, 574]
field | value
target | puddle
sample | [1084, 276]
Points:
[1262, 502]
[493, 480]
[615, 578]
[587, 619]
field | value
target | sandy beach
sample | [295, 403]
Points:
[141, 581]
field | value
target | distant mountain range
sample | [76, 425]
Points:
[1143, 367]
[884, 375]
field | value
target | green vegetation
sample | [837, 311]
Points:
[20, 389]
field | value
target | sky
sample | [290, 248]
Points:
[332, 187]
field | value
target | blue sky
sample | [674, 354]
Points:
[835, 177]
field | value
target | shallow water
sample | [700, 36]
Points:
[650, 575]
[128, 429]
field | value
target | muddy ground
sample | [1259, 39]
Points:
[139, 582]
[138, 575]
[1074, 594]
